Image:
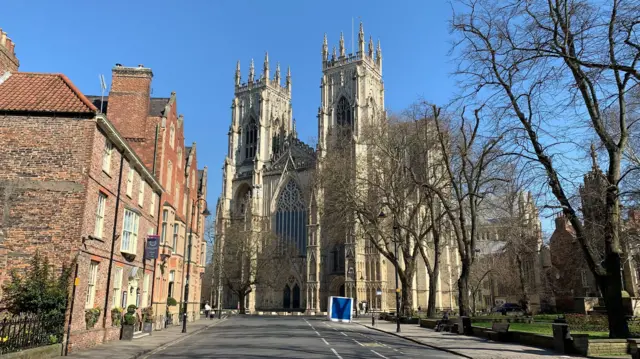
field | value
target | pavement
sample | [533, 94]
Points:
[294, 337]
[466, 346]
[123, 349]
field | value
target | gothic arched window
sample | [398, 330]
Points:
[291, 218]
[251, 139]
[343, 113]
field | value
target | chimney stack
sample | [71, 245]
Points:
[129, 99]
[8, 60]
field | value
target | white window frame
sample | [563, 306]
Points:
[163, 230]
[130, 181]
[106, 156]
[152, 207]
[100, 209]
[117, 287]
[130, 225]
[91, 284]
[141, 193]
[176, 235]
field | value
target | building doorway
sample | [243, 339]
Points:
[296, 297]
[286, 297]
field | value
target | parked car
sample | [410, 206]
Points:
[508, 308]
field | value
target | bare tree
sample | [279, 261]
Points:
[467, 158]
[362, 184]
[543, 60]
[249, 259]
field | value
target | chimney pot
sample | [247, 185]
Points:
[118, 65]
[140, 65]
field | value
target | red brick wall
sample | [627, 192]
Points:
[50, 177]
[43, 185]
[99, 251]
[129, 100]
[8, 60]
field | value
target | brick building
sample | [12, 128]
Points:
[152, 126]
[73, 188]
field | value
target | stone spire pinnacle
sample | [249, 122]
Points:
[252, 71]
[370, 47]
[289, 78]
[379, 54]
[276, 78]
[361, 40]
[341, 44]
[333, 55]
[238, 75]
[265, 69]
[325, 48]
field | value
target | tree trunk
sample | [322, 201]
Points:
[463, 288]
[524, 298]
[611, 287]
[406, 301]
[433, 287]
[241, 298]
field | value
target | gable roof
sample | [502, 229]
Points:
[39, 92]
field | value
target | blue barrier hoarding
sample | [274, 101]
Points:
[340, 309]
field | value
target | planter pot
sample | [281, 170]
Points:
[127, 332]
[147, 327]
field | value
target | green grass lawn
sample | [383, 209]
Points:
[541, 328]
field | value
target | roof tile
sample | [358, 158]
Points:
[37, 92]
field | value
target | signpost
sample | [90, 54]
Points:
[340, 309]
[152, 249]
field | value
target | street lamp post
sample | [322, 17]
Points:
[395, 247]
[188, 276]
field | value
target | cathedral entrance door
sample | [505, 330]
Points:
[296, 297]
[286, 297]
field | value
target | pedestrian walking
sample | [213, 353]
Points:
[207, 309]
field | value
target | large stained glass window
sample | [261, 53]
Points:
[291, 218]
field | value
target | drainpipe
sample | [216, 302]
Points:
[113, 246]
[155, 260]
[73, 297]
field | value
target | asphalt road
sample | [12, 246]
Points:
[294, 337]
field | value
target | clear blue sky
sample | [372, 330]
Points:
[192, 48]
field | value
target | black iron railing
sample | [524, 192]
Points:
[29, 331]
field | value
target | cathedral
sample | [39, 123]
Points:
[268, 176]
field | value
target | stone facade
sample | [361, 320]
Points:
[153, 127]
[268, 177]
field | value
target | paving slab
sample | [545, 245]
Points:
[467, 346]
[125, 349]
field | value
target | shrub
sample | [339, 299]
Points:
[592, 323]
[116, 317]
[171, 302]
[41, 290]
[130, 319]
[91, 317]
[131, 309]
[147, 314]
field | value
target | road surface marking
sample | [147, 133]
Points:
[344, 334]
[396, 349]
[317, 332]
[358, 343]
[378, 354]
[327, 343]
[336, 353]
[384, 345]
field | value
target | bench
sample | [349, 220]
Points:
[499, 331]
